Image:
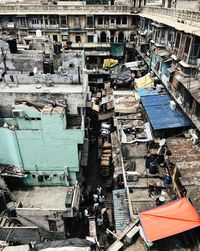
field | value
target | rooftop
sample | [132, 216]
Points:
[43, 197]
[125, 102]
[186, 157]
[39, 88]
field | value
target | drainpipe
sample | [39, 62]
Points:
[79, 75]
[19, 151]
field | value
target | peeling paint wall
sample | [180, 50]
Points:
[9, 153]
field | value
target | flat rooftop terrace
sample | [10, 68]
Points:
[37, 88]
[42, 197]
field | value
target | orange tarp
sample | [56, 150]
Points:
[169, 219]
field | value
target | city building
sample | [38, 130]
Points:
[52, 52]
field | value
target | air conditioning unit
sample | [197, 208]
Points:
[131, 176]
[18, 113]
[159, 88]
[172, 104]
[195, 138]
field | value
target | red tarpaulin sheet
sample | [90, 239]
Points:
[169, 219]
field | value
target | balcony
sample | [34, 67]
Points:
[180, 19]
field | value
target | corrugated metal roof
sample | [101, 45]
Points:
[186, 157]
[121, 211]
[161, 115]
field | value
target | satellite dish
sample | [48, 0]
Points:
[34, 70]
[162, 142]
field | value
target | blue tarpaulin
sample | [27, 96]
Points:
[161, 116]
[146, 92]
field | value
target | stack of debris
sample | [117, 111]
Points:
[102, 103]
[106, 160]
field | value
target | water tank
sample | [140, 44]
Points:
[48, 67]
[38, 33]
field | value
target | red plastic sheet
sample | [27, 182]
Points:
[169, 219]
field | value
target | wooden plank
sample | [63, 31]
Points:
[133, 231]
[115, 246]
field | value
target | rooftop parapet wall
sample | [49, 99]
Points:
[9, 9]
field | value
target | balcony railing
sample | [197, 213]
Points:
[182, 16]
[9, 9]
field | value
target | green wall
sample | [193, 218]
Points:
[9, 153]
[43, 145]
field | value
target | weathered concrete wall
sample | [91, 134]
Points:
[40, 218]
[74, 100]
[26, 62]
[187, 5]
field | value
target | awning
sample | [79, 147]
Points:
[144, 82]
[169, 219]
[109, 63]
[171, 70]
[163, 53]
[161, 115]
[117, 49]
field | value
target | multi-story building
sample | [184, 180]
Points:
[171, 48]
[36, 107]
[91, 26]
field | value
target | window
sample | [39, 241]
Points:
[197, 109]
[118, 20]
[63, 20]
[133, 21]
[64, 37]
[35, 20]
[169, 36]
[195, 50]
[187, 45]
[23, 21]
[78, 39]
[106, 20]
[112, 20]
[77, 21]
[90, 22]
[124, 20]
[52, 225]
[100, 20]
[132, 37]
[162, 34]
[55, 38]
[178, 37]
[90, 39]
[46, 20]
[53, 20]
